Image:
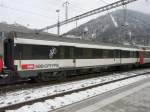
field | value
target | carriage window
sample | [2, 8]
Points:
[87, 53]
[45, 52]
[108, 53]
[147, 54]
[17, 52]
[125, 54]
[135, 54]
[79, 53]
[39, 52]
[131, 54]
[67, 52]
[22, 52]
[117, 53]
[97, 53]
[27, 52]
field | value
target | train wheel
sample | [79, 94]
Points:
[43, 77]
[46, 77]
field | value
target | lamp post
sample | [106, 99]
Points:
[58, 25]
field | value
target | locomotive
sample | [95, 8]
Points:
[40, 56]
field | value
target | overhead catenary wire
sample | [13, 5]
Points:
[124, 24]
[90, 13]
[107, 10]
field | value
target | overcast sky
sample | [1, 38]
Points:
[41, 13]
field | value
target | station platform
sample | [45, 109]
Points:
[132, 98]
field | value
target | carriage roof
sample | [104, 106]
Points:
[51, 39]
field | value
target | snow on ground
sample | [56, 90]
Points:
[58, 102]
[114, 21]
[30, 94]
[34, 93]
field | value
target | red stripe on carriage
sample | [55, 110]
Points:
[27, 66]
[1, 65]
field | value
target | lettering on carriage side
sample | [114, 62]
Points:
[39, 66]
[47, 66]
[52, 52]
[28, 66]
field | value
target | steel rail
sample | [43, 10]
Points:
[42, 99]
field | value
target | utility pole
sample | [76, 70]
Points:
[89, 13]
[66, 9]
[58, 25]
[76, 23]
[124, 25]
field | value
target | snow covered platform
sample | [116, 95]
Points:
[132, 98]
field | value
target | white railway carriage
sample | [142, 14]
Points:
[32, 55]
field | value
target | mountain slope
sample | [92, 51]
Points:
[121, 26]
[13, 27]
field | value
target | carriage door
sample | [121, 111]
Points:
[117, 56]
[141, 56]
[8, 53]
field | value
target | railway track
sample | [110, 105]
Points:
[82, 87]
[32, 84]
